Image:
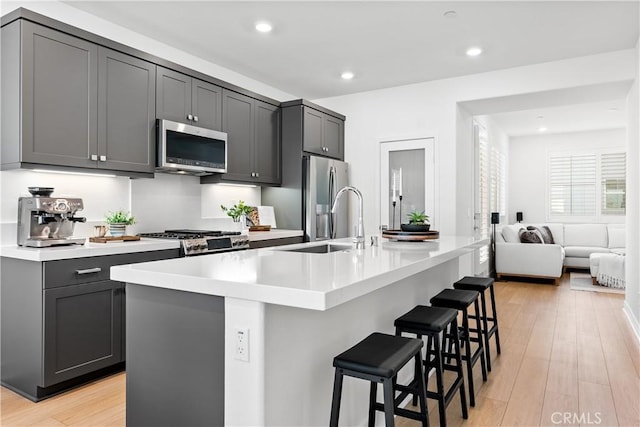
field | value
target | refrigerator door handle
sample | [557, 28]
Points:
[332, 192]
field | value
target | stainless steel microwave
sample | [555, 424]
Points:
[188, 149]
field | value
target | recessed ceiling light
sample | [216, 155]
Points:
[612, 110]
[263, 27]
[540, 117]
[450, 14]
[474, 51]
[347, 75]
[542, 129]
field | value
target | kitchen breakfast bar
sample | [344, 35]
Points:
[247, 338]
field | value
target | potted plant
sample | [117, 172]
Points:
[118, 222]
[237, 211]
[418, 222]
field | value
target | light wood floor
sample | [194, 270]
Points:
[568, 358]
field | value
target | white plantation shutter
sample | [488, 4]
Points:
[484, 191]
[613, 173]
[572, 181]
[587, 184]
[498, 181]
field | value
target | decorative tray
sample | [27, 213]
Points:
[108, 239]
[410, 235]
[260, 228]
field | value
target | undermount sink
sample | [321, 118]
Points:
[321, 249]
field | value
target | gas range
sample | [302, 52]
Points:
[200, 242]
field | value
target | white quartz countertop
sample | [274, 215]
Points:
[274, 233]
[87, 250]
[304, 280]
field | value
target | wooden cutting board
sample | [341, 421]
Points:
[107, 239]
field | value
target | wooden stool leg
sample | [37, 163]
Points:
[422, 391]
[439, 381]
[483, 364]
[467, 352]
[373, 392]
[456, 345]
[337, 395]
[485, 326]
[495, 319]
[387, 385]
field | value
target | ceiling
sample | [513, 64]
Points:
[385, 43]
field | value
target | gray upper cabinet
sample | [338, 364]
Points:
[79, 104]
[313, 128]
[253, 145]
[185, 99]
[323, 133]
[59, 98]
[126, 112]
[267, 146]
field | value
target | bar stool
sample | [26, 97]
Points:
[432, 321]
[378, 358]
[461, 300]
[481, 284]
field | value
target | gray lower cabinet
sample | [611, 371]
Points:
[83, 329]
[185, 99]
[68, 102]
[62, 322]
[253, 145]
[313, 128]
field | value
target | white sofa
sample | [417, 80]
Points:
[573, 244]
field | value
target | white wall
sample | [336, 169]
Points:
[430, 109]
[528, 167]
[632, 272]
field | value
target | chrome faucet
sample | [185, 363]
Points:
[359, 239]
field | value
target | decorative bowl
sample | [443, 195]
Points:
[415, 227]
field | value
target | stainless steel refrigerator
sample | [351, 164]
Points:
[322, 178]
[303, 201]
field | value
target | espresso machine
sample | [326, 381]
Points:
[47, 221]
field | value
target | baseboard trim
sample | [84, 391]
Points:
[633, 321]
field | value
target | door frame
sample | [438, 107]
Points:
[429, 144]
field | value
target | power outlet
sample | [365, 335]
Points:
[242, 344]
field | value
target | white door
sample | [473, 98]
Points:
[412, 162]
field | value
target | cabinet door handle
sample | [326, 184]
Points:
[94, 157]
[89, 270]
[103, 158]
[195, 118]
[257, 174]
[189, 117]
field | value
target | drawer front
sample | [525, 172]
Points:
[76, 271]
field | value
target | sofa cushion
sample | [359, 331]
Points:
[589, 235]
[510, 233]
[531, 236]
[547, 237]
[616, 236]
[583, 251]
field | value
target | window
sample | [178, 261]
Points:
[587, 184]
[614, 185]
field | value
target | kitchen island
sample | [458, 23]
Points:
[187, 318]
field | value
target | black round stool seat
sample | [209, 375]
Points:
[377, 359]
[424, 318]
[379, 354]
[453, 298]
[481, 284]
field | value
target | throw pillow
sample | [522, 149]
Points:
[530, 236]
[545, 232]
